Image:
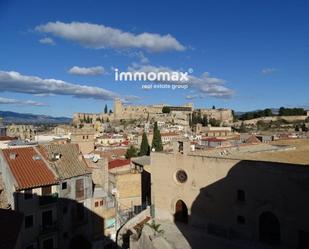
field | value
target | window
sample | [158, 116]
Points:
[96, 204]
[47, 218]
[181, 176]
[48, 243]
[101, 203]
[28, 194]
[46, 190]
[241, 219]
[64, 185]
[241, 195]
[28, 221]
[79, 188]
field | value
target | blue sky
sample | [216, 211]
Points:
[245, 55]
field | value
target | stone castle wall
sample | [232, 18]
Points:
[142, 112]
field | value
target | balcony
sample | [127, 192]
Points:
[48, 199]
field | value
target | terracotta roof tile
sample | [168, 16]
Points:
[118, 163]
[27, 171]
[112, 154]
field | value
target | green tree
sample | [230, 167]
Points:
[291, 111]
[304, 127]
[213, 107]
[205, 120]
[166, 109]
[235, 118]
[131, 152]
[145, 148]
[156, 140]
[268, 112]
[242, 128]
[214, 122]
[105, 109]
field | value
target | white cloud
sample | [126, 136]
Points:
[6, 101]
[86, 70]
[267, 71]
[205, 85]
[47, 40]
[191, 97]
[99, 36]
[11, 81]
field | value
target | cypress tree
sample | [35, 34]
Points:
[145, 148]
[156, 141]
[105, 109]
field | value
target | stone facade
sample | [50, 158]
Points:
[84, 138]
[22, 132]
[233, 198]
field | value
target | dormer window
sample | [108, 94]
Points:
[13, 155]
[36, 157]
[56, 156]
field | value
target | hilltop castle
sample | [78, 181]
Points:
[148, 111]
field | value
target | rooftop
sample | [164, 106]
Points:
[27, 168]
[294, 151]
[142, 160]
[118, 163]
[65, 159]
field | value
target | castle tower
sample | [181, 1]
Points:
[117, 108]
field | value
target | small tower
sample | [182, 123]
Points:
[117, 108]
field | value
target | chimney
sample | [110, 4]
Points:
[56, 156]
[13, 155]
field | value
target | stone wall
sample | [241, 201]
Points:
[211, 189]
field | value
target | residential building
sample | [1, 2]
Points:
[32, 189]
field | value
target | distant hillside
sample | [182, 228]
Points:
[15, 117]
[275, 111]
